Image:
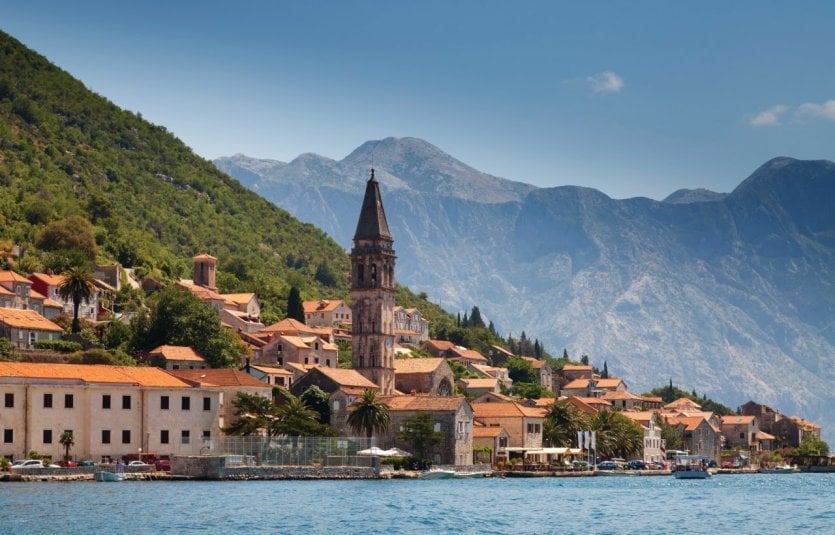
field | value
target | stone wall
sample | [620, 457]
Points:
[205, 467]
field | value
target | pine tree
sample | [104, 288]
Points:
[492, 329]
[565, 353]
[458, 321]
[475, 318]
[465, 322]
[536, 350]
[295, 307]
[605, 374]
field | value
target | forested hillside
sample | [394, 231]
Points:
[65, 151]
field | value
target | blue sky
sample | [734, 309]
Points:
[631, 98]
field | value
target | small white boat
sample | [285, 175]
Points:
[690, 467]
[781, 469]
[437, 474]
[471, 475]
[109, 476]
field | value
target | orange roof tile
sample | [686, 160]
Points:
[417, 365]
[422, 403]
[7, 275]
[616, 395]
[177, 353]
[347, 377]
[92, 373]
[683, 403]
[733, 419]
[51, 280]
[468, 354]
[489, 382]
[27, 319]
[577, 368]
[440, 345]
[498, 409]
[270, 370]
[203, 257]
[290, 326]
[611, 382]
[4, 291]
[219, 377]
[577, 384]
[239, 299]
[323, 305]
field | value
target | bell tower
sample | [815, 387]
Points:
[372, 292]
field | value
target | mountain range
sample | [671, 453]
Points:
[728, 294]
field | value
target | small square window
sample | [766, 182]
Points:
[163, 436]
[8, 436]
[105, 436]
[47, 401]
[47, 436]
[126, 403]
[126, 436]
[105, 401]
[185, 436]
[186, 403]
[9, 400]
[69, 400]
[163, 403]
[207, 403]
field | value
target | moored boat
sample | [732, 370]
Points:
[437, 474]
[780, 469]
[471, 475]
[104, 476]
[690, 467]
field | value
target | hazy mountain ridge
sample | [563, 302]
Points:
[730, 294]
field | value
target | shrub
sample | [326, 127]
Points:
[64, 346]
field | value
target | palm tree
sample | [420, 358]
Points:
[78, 286]
[369, 414]
[293, 417]
[562, 422]
[68, 442]
[617, 435]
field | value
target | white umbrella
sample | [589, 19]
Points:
[396, 452]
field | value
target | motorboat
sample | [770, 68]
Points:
[779, 469]
[471, 475]
[437, 474]
[690, 467]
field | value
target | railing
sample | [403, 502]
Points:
[292, 451]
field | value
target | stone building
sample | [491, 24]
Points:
[424, 376]
[372, 292]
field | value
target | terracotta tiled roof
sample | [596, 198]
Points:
[4, 291]
[347, 377]
[51, 280]
[491, 431]
[239, 299]
[418, 365]
[691, 422]
[323, 305]
[733, 419]
[595, 402]
[177, 353]
[270, 370]
[611, 382]
[505, 410]
[765, 436]
[502, 350]
[535, 363]
[615, 395]
[422, 403]
[468, 354]
[577, 368]
[577, 384]
[683, 403]
[8, 275]
[639, 416]
[203, 257]
[291, 326]
[440, 345]
[142, 376]
[804, 423]
[544, 403]
[652, 399]
[489, 382]
[220, 377]
[582, 405]
[26, 319]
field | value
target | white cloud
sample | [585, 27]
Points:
[825, 110]
[769, 117]
[605, 82]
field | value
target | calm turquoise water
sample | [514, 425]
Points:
[795, 503]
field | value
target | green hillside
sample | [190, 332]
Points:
[65, 151]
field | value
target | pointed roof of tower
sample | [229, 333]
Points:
[372, 223]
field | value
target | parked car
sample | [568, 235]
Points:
[67, 464]
[162, 465]
[137, 463]
[636, 464]
[86, 462]
[34, 463]
[609, 465]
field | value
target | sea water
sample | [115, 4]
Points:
[781, 503]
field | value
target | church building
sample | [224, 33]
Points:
[372, 292]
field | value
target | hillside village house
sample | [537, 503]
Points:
[270, 375]
[303, 349]
[176, 357]
[112, 411]
[49, 286]
[423, 376]
[523, 424]
[475, 387]
[698, 436]
[326, 313]
[409, 326]
[25, 327]
[654, 446]
[542, 367]
[452, 416]
[624, 400]
[487, 441]
[229, 381]
[741, 432]
[502, 375]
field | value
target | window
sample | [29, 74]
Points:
[105, 401]
[186, 404]
[126, 403]
[502, 442]
[335, 405]
[207, 435]
[47, 436]
[185, 436]
[163, 403]
[105, 436]
[9, 400]
[8, 436]
[437, 427]
[47, 401]
[68, 401]
[126, 436]
[742, 435]
[207, 403]
[163, 436]
[534, 428]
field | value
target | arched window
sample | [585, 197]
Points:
[373, 274]
[360, 272]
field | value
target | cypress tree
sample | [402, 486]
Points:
[605, 374]
[295, 307]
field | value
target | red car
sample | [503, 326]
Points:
[162, 465]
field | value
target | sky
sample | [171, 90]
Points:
[631, 98]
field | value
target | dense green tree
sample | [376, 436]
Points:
[318, 400]
[179, 318]
[419, 432]
[295, 306]
[617, 435]
[475, 318]
[584, 360]
[368, 414]
[254, 414]
[74, 232]
[293, 417]
[521, 371]
[78, 286]
[561, 424]
[813, 446]
[7, 349]
[669, 434]
[531, 390]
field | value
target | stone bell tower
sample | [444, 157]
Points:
[372, 292]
